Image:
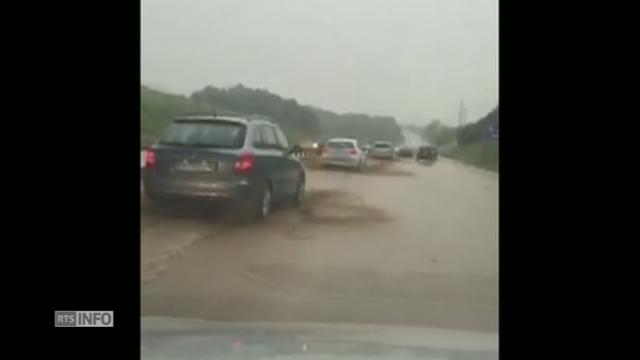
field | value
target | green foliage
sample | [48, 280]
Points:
[286, 112]
[363, 127]
[483, 154]
[299, 123]
[158, 109]
[469, 144]
[477, 131]
[439, 134]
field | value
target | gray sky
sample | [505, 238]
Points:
[412, 59]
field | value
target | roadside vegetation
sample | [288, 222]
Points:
[439, 134]
[159, 108]
[483, 154]
[363, 127]
[470, 144]
[300, 123]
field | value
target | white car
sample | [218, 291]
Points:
[383, 150]
[344, 152]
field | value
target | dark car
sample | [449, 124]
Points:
[243, 161]
[427, 153]
[405, 152]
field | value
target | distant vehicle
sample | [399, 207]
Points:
[383, 150]
[319, 147]
[405, 152]
[344, 152]
[243, 161]
[427, 153]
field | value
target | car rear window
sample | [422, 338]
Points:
[340, 145]
[222, 134]
[382, 145]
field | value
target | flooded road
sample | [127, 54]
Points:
[402, 244]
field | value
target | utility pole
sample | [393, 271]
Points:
[464, 116]
[461, 114]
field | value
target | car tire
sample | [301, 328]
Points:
[264, 203]
[299, 195]
[251, 209]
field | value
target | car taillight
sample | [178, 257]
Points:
[244, 164]
[150, 159]
[325, 152]
[353, 152]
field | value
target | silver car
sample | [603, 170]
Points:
[344, 152]
[383, 150]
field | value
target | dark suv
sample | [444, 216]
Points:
[246, 161]
[427, 153]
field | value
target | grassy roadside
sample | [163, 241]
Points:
[481, 154]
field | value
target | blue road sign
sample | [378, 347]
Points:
[492, 132]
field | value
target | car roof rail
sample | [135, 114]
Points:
[259, 117]
[199, 113]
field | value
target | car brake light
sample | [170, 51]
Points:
[244, 164]
[353, 152]
[150, 159]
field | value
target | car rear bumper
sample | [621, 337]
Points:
[426, 156]
[381, 155]
[239, 189]
[346, 162]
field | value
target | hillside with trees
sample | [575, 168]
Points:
[295, 120]
[471, 143]
[479, 130]
[359, 126]
[299, 122]
[158, 109]
[439, 134]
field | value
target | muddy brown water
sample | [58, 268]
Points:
[374, 167]
[409, 250]
[338, 207]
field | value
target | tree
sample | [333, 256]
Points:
[363, 127]
[286, 112]
[478, 130]
[439, 134]
[300, 123]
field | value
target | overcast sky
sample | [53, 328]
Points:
[411, 59]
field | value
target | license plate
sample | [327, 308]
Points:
[201, 166]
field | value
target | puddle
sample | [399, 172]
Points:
[385, 168]
[374, 167]
[337, 207]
